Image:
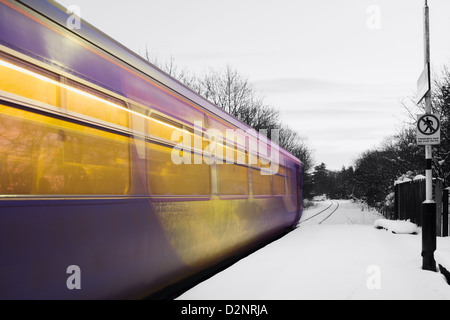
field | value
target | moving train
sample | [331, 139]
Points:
[117, 181]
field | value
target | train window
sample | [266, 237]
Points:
[291, 182]
[279, 181]
[232, 179]
[40, 155]
[167, 178]
[29, 82]
[162, 127]
[86, 101]
[260, 182]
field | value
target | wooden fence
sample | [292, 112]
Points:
[408, 201]
[409, 197]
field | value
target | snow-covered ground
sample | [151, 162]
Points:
[343, 257]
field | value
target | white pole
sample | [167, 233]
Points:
[428, 206]
[428, 150]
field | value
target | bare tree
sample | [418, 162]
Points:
[292, 142]
[440, 106]
[228, 90]
[172, 69]
[234, 93]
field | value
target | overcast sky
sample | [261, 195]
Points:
[336, 69]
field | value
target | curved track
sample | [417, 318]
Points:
[327, 212]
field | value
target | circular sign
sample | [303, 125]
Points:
[428, 124]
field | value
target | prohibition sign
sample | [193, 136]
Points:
[428, 124]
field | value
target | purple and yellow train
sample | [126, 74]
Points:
[102, 195]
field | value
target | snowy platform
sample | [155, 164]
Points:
[442, 258]
[345, 257]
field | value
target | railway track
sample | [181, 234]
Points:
[324, 214]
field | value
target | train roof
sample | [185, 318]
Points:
[57, 13]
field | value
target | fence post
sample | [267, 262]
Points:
[445, 213]
[438, 200]
[396, 201]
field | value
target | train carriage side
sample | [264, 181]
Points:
[87, 176]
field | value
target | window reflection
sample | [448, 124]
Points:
[40, 155]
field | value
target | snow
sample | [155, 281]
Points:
[402, 180]
[345, 257]
[443, 258]
[396, 226]
[442, 254]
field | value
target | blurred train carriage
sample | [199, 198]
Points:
[87, 170]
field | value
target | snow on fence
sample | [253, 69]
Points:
[397, 226]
